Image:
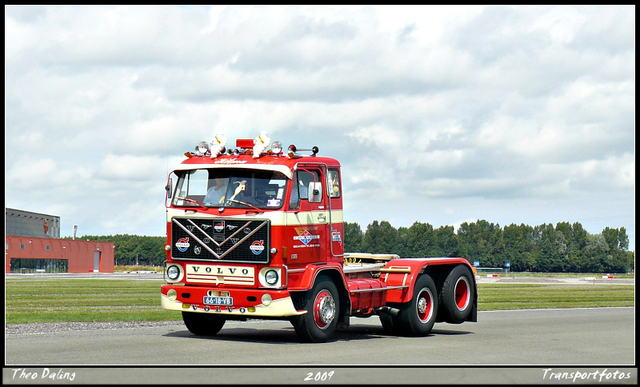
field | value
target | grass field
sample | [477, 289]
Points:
[59, 300]
[539, 296]
[96, 300]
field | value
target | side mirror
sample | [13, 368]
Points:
[315, 192]
[168, 188]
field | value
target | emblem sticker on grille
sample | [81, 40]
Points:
[183, 244]
[257, 247]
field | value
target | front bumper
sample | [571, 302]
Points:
[247, 303]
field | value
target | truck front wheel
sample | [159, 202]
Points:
[321, 319]
[418, 316]
[203, 324]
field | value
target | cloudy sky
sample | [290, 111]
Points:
[439, 114]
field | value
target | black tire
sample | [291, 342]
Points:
[390, 323]
[418, 316]
[203, 324]
[457, 295]
[321, 319]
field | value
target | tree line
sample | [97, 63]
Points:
[133, 250]
[564, 247]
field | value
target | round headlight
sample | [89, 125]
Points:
[271, 277]
[173, 272]
[172, 294]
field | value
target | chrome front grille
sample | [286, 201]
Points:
[220, 240]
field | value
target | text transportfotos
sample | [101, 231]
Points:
[598, 375]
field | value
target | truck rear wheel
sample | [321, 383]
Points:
[418, 316]
[457, 295]
[203, 324]
[321, 319]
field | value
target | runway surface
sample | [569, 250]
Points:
[550, 339]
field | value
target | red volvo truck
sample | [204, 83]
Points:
[255, 232]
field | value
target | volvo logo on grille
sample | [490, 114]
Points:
[257, 247]
[182, 244]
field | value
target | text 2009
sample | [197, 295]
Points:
[319, 376]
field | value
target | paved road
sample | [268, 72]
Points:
[599, 337]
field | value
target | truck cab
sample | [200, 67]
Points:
[256, 232]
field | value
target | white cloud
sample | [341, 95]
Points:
[136, 168]
[30, 174]
[382, 137]
[214, 16]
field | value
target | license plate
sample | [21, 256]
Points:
[218, 301]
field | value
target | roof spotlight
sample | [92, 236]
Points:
[276, 147]
[202, 148]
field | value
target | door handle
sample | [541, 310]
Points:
[322, 218]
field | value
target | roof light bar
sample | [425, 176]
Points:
[293, 151]
[257, 147]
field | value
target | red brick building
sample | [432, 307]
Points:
[46, 252]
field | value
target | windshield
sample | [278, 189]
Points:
[238, 188]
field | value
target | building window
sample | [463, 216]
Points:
[21, 246]
[30, 265]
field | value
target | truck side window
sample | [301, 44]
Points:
[299, 187]
[334, 183]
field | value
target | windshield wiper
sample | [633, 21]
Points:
[246, 204]
[192, 202]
